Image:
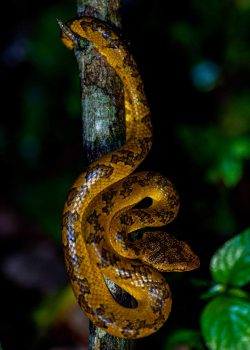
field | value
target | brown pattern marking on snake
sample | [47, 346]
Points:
[84, 227]
[107, 317]
[128, 157]
[104, 29]
[141, 269]
[127, 186]
[108, 258]
[147, 121]
[165, 215]
[145, 144]
[128, 61]
[114, 44]
[132, 328]
[83, 302]
[70, 217]
[145, 181]
[164, 182]
[121, 235]
[159, 286]
[84, 285]
[124, 156]
[104, 317]
[72, 194]
[75, 192]
[103, 171]
[96, 235]
[109, 199]
[126, 219]
[145, 217]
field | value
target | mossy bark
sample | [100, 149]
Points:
[103, 121]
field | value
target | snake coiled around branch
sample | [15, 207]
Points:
[100, 213]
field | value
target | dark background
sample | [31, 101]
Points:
[194, 58]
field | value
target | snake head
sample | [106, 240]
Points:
[71, 39]
[166, 253]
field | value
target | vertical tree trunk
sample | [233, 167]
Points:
[103, 123]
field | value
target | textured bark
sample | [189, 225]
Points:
[103, 122]
[101, 89]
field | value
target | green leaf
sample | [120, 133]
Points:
[225, 324]
[231, 263]
[186, 338]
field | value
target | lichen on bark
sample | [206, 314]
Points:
[103, 112]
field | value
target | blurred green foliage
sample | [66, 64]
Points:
[39, 116]
[215, 39]
[47, 212]
[206, 78]
[222, 148]
[219, 146]
[186, 339]
[53, 308]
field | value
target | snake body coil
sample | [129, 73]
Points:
[100, 213]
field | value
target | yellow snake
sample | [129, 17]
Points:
[100, 214]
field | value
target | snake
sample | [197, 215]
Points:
[102, 211]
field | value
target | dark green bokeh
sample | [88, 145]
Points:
[194, 58]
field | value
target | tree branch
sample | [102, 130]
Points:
[103, 123]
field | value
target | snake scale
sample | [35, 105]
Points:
[100, 212]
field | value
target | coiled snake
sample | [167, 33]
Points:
[100, 213]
